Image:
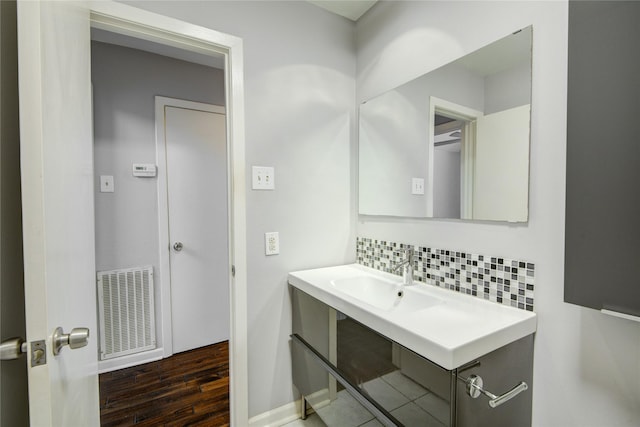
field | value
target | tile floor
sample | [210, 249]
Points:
[312, 420]
[407, 401]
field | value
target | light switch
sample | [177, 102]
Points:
[417, 186]
[106, 184]
[271, 243]
[263, 178]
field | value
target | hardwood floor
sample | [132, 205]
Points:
[186, 389]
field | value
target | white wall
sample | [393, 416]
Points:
[586, 366]
[300, 101]
[392, 151]
[507, 89]
[299, 112]
[394, 135]
[125, 82]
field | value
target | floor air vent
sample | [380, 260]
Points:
[127, 317]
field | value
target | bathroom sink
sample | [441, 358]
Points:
[446, 327]
[384, 294]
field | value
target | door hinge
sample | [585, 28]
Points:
[233, 271]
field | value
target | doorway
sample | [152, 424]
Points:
[162, 201]
[447, 166]
[452, 138]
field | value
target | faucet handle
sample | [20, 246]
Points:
[400, 264]
[407, 272]
[407, 259]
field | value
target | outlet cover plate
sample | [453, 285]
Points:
[271, 243]
[417, 186]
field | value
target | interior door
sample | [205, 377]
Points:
[195, 141]
[57, 205]
[498, 184]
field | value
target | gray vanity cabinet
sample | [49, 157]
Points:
[602, 232]
[353, 376]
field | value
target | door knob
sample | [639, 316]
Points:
[77, 338]
[12, 348]
[15, 347]
[177, 246]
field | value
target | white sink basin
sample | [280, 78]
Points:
[384, 294]
[448, 328]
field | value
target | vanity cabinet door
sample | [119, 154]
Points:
[352, 376]
[368, 378]
[501, 370]
[413, 390]
[311, 323]
[602, 233]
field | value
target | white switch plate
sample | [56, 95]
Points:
[417, 186]
[263, 178]
[271, 243]
[106, 184]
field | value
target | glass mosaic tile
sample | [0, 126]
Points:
[497, 279]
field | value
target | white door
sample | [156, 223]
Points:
[502, 165]
[196, 157]
[57, 203]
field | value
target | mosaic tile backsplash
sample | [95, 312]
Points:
[497, 279]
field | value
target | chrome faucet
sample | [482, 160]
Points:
[407, 266]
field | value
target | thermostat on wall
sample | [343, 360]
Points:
[144, 170]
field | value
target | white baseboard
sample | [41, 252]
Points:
[290, 412]
[278, 416]
[129, 360]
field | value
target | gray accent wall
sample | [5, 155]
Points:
[125, 82]
[602, 243]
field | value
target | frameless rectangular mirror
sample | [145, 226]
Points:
[452, 143]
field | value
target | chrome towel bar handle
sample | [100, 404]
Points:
[475, 389]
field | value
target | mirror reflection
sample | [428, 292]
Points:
[453, 143]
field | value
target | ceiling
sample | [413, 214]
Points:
[351, 9]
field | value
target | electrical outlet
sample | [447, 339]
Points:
[271, 243]
[417, 186]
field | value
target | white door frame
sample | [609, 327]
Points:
[467, 155]
[124, 19]
[163, 209]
